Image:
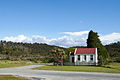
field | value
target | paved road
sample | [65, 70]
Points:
[57, 75]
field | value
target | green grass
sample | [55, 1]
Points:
[9, 77]
[7, 63]
[84, 68]
[113, 66]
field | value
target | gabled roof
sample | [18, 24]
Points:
[85, 51]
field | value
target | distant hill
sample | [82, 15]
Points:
[13, 50]
[114, 51]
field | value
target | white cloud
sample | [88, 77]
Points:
[77, 33]
[110, 38]
[19, 38]
[65, 41]
[40, 39]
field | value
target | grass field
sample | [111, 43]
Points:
[111, 68]
[7, 63]
[9, 77]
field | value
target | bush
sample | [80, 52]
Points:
[47, 60]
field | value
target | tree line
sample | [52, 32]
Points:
[114, 51]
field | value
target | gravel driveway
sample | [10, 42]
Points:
[57, 75]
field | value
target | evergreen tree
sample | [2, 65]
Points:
[93, 41]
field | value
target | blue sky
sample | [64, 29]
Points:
[52, 18]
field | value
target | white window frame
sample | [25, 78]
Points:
[84, 57]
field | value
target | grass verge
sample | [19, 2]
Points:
[7, 63]
[111, 68]
[9, 77]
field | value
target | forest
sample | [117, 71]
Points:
[114, 51]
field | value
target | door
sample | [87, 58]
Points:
[72, 59]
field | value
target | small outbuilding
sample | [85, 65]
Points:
[84, 56]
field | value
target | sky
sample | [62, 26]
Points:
[63, 23]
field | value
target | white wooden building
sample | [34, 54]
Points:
[84, 56]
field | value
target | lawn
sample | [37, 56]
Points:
[7, 63]
[111, 68]
[9, 77]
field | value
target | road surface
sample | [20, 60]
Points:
[57, 75]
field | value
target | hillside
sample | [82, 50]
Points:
[24, 51]
[114, 51]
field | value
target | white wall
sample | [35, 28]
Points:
[71, 58]
[96, 57]
[87, 58]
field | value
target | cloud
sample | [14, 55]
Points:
[19, 38]
[65, 41]
[68, 41]
[110, 38]
[40, 39]
[76, 33]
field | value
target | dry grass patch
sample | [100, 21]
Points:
[7, 63]
[9, 77]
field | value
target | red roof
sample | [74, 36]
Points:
[85, 51]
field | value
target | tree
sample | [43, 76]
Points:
[93, 41]
[67, 51]
[58, 53]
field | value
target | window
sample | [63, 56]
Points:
[85, 57]
[79, 57]
[72, 59]
[91, 57]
